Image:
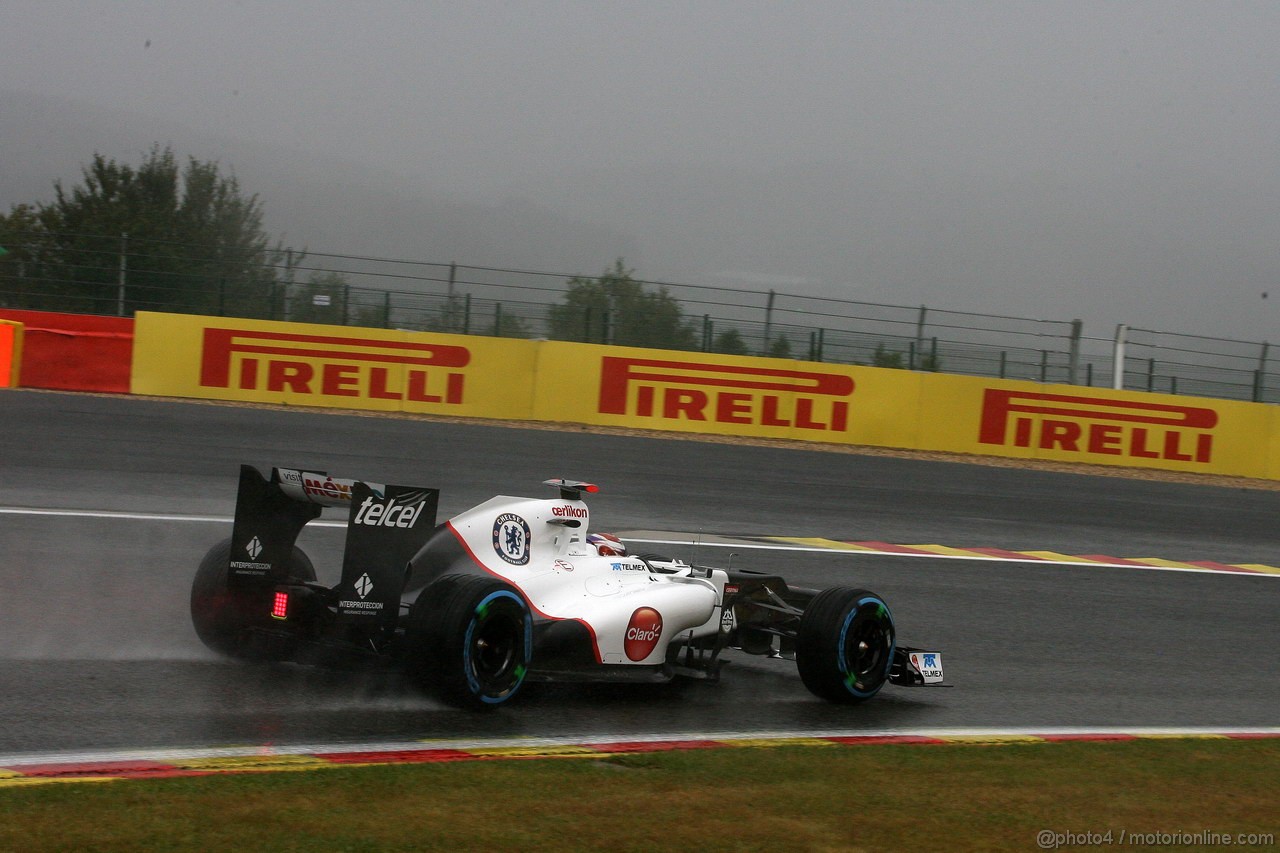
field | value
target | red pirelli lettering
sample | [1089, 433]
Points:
[337, 366]
[726, 394]
[1098, 425]
[220, 345]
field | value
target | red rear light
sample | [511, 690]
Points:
[280, 606]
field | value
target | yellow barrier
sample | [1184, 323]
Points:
[299, 364]
[1094, 425]
[696, 392]
[309, 365]
[11, 334]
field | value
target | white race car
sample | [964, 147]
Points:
[513, 590]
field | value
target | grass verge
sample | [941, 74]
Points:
[899, 797]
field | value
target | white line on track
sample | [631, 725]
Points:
[137, 516]
[226, 519]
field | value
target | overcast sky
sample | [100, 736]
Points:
[1113, 161]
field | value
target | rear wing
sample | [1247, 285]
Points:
[386, 526]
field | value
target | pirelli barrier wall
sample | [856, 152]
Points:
[335, 366]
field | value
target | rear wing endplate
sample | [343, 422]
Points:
[386, 526]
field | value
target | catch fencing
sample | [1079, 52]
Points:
[118, 275]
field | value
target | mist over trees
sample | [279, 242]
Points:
[185, 237]
[157, 236]
[615, 308]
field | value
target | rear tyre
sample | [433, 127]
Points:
[221, 617]
[844, 647]
[469, 640]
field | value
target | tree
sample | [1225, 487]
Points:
[506, 324]
[20, 266]
[780, 347]
[886, 358]
[179, 239]
[617, 309]
[730, 342]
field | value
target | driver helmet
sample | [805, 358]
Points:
[607, 545]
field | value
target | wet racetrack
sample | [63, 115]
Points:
[108, 504]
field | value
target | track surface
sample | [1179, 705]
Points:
[96, 650]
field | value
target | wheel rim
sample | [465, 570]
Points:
[866, 647]
[497, 646]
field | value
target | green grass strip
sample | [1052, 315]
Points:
[896, 797]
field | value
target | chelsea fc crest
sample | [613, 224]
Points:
[511, 538]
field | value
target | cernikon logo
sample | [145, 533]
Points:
[1080, 424]
[725, 394]
[332, 366]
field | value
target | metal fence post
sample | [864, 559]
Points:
[1117, 352]
[124, 266]
[1073, 356]
[920, 333]
[1260, 375]
[768, 322]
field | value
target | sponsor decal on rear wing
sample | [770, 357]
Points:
[386, 526]
[318, 487]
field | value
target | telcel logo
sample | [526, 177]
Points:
[1080, 424]
[726, 394]
[643, 632]
[390, 514]
[324, 365]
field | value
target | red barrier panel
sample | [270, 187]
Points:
[74, 352]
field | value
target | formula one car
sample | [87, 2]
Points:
[516, 590]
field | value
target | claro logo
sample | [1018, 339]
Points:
[643, 632]
[332, 366]
[1097, 425]
[726, 394]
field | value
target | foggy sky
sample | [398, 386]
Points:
[1112, 161]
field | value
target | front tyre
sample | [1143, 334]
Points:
[844, 647]
[221, 618]
[469, 640]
